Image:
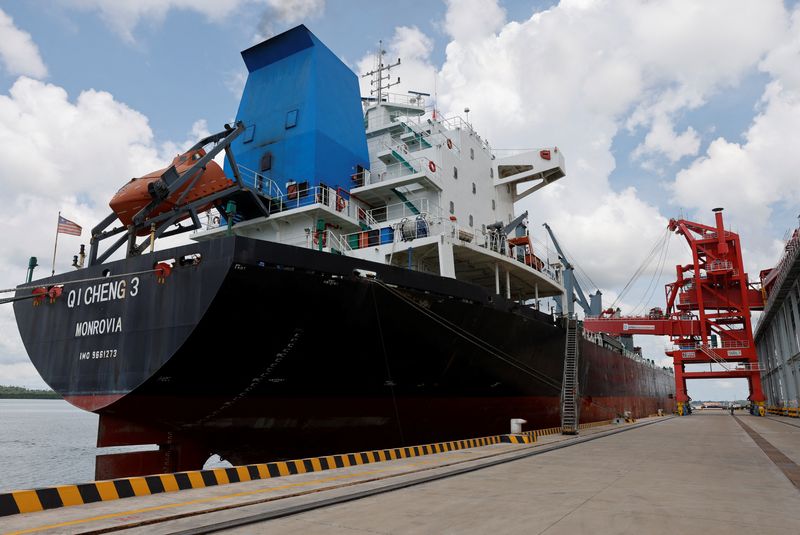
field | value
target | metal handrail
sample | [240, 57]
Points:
[411, 166]
[401, 209]
[257, 181]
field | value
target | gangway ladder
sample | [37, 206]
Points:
[570, 400]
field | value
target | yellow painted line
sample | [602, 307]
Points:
[211, 499]
[191, 502]
[28, 500]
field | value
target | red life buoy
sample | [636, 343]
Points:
[340, 203]
[432, 166]
[449, 144]
[320, 235]
[162, 270]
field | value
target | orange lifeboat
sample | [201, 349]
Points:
[135, 195]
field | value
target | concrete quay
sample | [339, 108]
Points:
[705, 473]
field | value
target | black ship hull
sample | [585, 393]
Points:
[259, 351]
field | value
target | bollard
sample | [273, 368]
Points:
[516, 425]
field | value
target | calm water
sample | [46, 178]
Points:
[45, 442]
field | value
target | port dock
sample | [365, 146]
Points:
[706, 473]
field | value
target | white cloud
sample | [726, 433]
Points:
[278, 15]
[662, 139]
[68, 155]
[416, 72]
[468, 20]
[125, 15]
[578, 73]
[19, 53]
[21, 374]
[751, 178]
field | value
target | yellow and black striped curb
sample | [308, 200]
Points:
[558, 430]
[29, 501]
[792, 412]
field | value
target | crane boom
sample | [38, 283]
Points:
[571, 284]
[707, 313]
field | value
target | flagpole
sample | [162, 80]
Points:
[56, 245]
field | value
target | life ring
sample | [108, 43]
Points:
[449, 144]
[432, 166]
[340, 203]
[320, 236]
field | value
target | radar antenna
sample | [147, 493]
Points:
[381, 78]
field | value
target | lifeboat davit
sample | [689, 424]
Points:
[135, 195]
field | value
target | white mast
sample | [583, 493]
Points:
[380, 74]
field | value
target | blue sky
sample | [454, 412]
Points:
[660, 108]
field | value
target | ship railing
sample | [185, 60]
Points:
[337, 200]
[323, 240]
[597, 339]
[410, 228]
[401, 210]
[391, 119]
[408, 100]
[505, 153]
[783, 267]
[720, 265]
[259, 182]
[381, 172]
[698, 346]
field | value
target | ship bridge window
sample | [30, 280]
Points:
[291, 119]
[455, 172]
[266, 161]
[249, 133]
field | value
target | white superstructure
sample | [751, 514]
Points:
[435, 199]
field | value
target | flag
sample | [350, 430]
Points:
[65, 226]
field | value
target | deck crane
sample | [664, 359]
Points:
[707, 315]
[591, 307]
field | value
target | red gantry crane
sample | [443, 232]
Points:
[707, 315]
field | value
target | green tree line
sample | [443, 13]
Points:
[18, 392]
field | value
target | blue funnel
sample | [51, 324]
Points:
[301, 107]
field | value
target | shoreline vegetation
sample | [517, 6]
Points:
[18, 392]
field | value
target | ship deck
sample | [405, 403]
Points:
[705, 473]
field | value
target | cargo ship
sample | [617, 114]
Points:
[357, 277]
